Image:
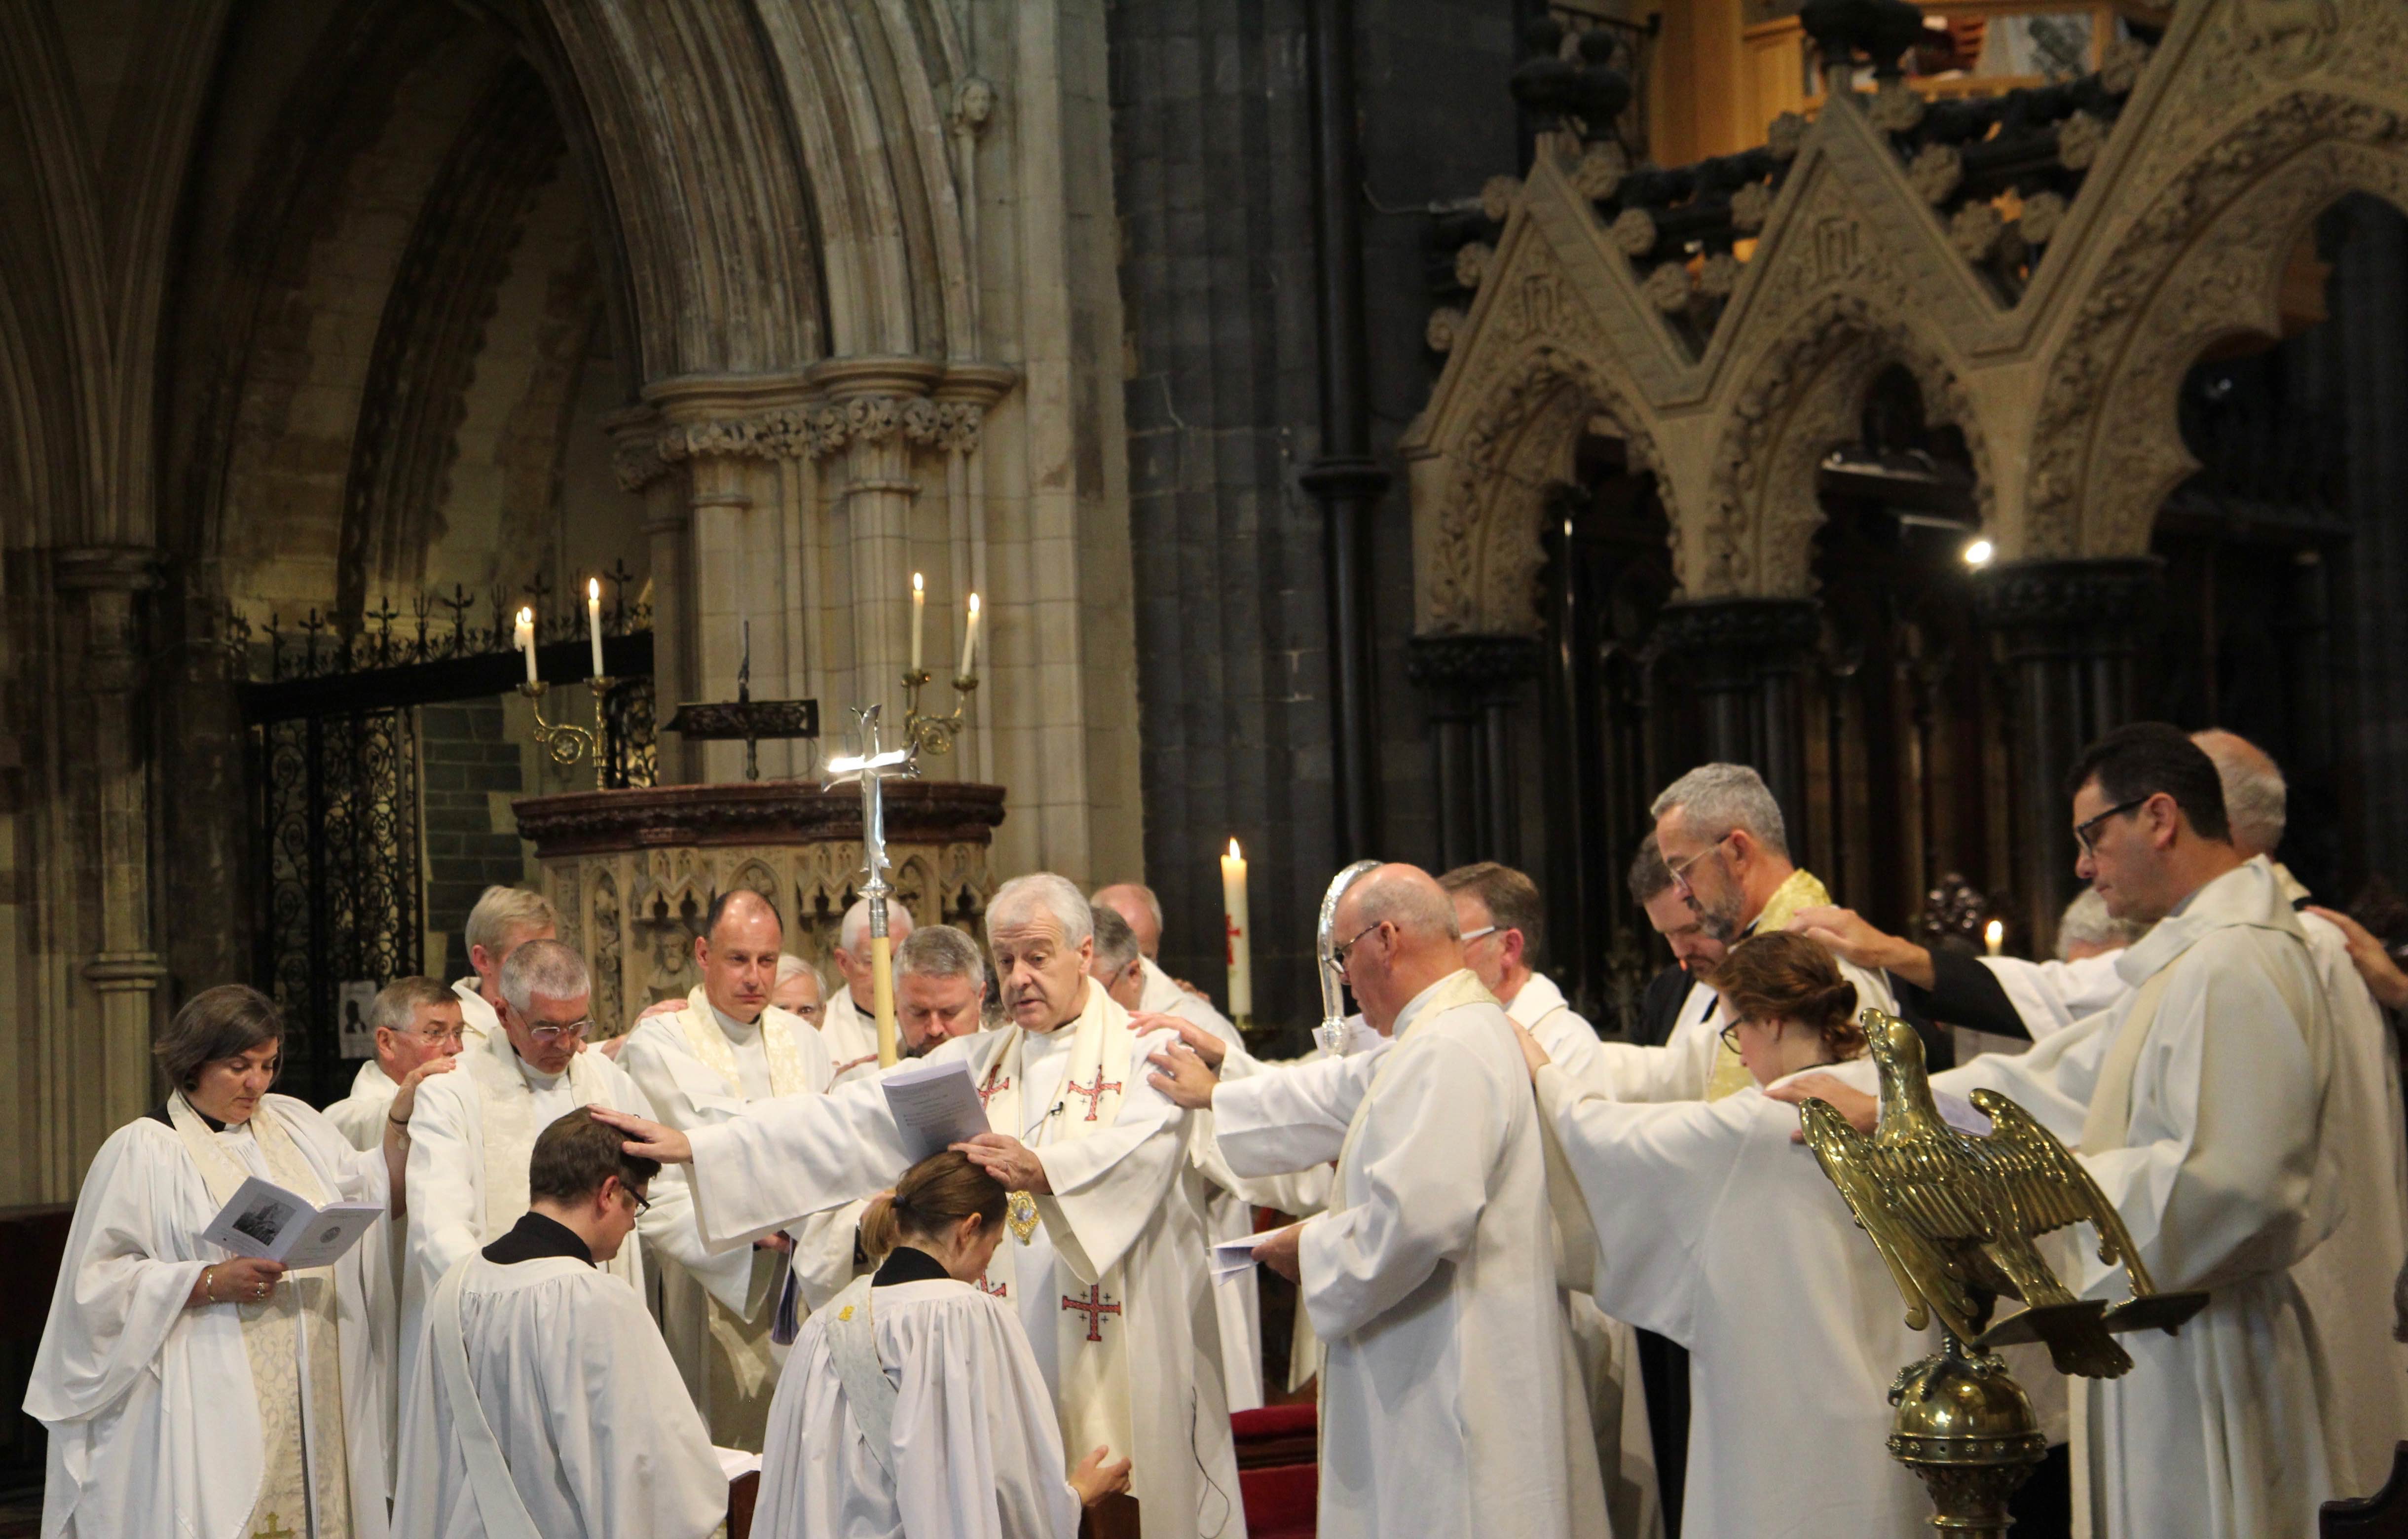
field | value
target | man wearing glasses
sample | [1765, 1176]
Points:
[416, 1020]
[469, 1148]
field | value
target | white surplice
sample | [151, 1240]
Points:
[1683, 1068]
[360, 1116]
[1714, 1230]
[471, 1133]
[724, 1354]
[154, 1418]
[2049, 996]
[1115, 1203]
[595, 1429]
[477, 1018]
[1451, 1403]
[976, 1452]
[2225, 1176]
[850, 1033]
[1227, 1215]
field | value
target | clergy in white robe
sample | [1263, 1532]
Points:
[1718, 1232]
[184, 1389]
[1450, 1400]
[914, 1406]
[1106, 1266]
[544, 1400]
[503, 919]
[1498, 912]
[849, 1026]
[471, 1136]
[728, 1046]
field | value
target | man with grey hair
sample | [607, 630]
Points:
[1161, 994]
[1118, 964]
[1722, 837]
[848, 1025]
[1107, 1263]
[503, 919]
[416, 1020]
[799, 989]
[470, 1144]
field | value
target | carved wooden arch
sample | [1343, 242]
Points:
[1477, 549]
[1802, 397]
[2105, 448]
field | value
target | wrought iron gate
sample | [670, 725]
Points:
[337, 791]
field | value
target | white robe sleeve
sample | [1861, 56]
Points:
[1626, 1071]
[977, 1446]
[2049, 996]
[446, 1177]
[784, 1160]
[1428, 1142]
[1291, 1117]
[672, 1226]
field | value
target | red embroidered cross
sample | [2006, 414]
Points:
[994, 1290]
[988, 1092]
[1094, 1308]
[1095, 1092]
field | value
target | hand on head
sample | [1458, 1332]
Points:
[649, 1139]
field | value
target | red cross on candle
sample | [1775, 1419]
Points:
[1229, 945]
[1095, 1092]
[988, 1092]
[1094, 1307]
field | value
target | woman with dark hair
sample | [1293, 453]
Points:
[1717, 1232]
[185, 1389]
[913, 1404]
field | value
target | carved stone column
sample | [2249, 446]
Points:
[2070, 633]
[886, 417]
[1472, 681]
[99, 586]
[1742, 659]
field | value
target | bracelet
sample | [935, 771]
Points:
[209, 1284]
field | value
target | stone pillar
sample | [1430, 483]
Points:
[2070, 633]
[635, 459]
[99, 587]
[1743, 658]
[1472, 682]
[885, 416]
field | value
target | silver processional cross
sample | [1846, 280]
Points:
[872, 768]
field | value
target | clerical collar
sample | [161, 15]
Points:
[907, 1264]
[738, 1032]
[536, 1079]
[161, 1113]
[534, 1238]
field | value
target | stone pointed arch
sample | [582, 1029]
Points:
[1800, 398]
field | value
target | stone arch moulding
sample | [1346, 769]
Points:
[2225, 283]
[1480, 483]
[1801, 398]
[2205, 248]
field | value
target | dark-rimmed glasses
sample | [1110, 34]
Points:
[2087, 829]
[1339, 952]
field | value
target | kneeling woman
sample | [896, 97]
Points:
[1714, 1230]
[913, 1404]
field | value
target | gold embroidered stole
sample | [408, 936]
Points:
[1803, 891]
[273, 1339]
[699, 1023]
[1090, 1334]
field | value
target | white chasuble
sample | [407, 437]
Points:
[1716, 1231]
[596, 1433]
[1118, 1252]
[2199, 1104]
[697, 1067]
[975, 1450]
[471, 1134]
[221, 1422]
[1451, 1401]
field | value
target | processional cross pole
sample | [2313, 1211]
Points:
[872, 768]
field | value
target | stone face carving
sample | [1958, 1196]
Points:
[2233, 131]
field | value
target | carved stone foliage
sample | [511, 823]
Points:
[812, 431]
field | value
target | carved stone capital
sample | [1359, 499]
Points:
[1739, 627]
[1470, 664]
[2043, 600]
[124, 972]
[635, 447]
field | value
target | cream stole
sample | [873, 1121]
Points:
[505, 1119]
[1089, 1353]
[1803, 891]
[273, 1336]
[699, 1023]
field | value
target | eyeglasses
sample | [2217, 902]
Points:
[1730, 1035]
[1680, 871]
[548, 1033]
[437, 1039]
[1339, 952]
[2085, 831]
[643, 1204]
[1481, 933]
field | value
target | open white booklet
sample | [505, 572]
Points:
[935, 1106]
[263, 1219]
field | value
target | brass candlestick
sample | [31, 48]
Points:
[934, 734]
[564, 741]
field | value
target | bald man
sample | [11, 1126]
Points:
[1160, 994]
[726, 1048]
[1451, 1401]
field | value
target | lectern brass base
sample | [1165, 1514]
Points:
[1965, 1427]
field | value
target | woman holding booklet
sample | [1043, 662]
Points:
[912, 1403]
[190, 1386]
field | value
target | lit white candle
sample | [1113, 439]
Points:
[527, 640]
[594, 619]
[969, 638]
[1995, 936]
[919, 615]
[1241, 947]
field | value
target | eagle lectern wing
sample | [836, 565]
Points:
[2050, 1187]
[1926, 1275]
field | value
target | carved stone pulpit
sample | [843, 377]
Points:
[633, 871]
